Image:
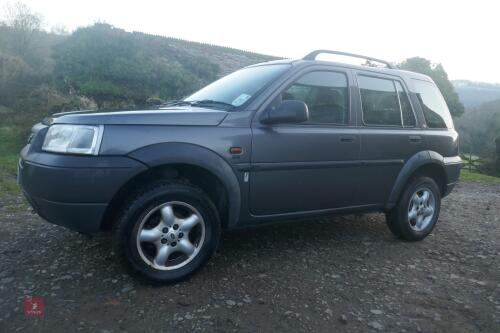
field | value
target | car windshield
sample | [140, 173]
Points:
[236, 89]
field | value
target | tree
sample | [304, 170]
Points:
[440, 77]
[479, 134]
[21, 17]
[17, 79]
[24, 22]
[59, 29]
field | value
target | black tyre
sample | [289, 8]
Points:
[417, 210]
[167, 232]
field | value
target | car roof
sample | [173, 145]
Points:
[383, 70]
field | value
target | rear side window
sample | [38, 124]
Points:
[406, 109]
[385, 102]
[379, 101]
[436, 111]
[325, 94]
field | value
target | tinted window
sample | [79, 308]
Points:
[325, 94]
[379, 101]
[435, 109]
[407, 111]
[237, 88]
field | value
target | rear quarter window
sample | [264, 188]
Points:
[435, 110]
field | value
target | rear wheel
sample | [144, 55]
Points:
[417, 211]
[167, 232]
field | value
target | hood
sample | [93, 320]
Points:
[182, 116]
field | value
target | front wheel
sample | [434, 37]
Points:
[417, 211]
[167, 232]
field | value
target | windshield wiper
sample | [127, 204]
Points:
[203, 102]
[211, 102]
[176, 103]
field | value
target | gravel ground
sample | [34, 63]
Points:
[331, 274]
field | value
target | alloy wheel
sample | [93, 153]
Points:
[421, 209]
[170, 235]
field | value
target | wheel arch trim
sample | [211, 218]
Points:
[418, 160]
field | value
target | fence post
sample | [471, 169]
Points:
[497, 144]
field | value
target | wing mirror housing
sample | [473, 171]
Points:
[290, 111]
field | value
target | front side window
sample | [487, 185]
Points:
[379, 101]
[325, 94]
[436, 111]
[237, 88]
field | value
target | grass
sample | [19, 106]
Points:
[12, 138]
[11, 199]
[468, 176]
[8, 185]
[8, 163]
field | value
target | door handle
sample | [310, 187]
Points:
[415, 138]
[347, 138]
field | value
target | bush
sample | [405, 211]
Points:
[118, 68]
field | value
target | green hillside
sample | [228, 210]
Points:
[473, 94]
[96, 67]
[105, 67]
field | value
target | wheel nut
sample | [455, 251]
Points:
[176, 226]
[164, 230]
[174, 243]
[181, 234]
[163, 241]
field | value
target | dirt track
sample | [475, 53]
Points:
[336, 274]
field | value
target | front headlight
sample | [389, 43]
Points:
[73, 139]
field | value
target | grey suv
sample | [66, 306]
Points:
[274, 141]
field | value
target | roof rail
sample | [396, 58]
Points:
[314, 54]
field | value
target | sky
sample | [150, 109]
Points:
[462, 35]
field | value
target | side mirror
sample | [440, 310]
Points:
[291, 111]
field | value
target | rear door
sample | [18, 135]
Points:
[313, 165]
[388, 131]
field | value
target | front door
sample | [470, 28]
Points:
[312, 165]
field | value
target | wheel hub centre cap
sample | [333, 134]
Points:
[171, 236]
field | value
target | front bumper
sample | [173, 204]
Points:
[86, 218]
[73, 191]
